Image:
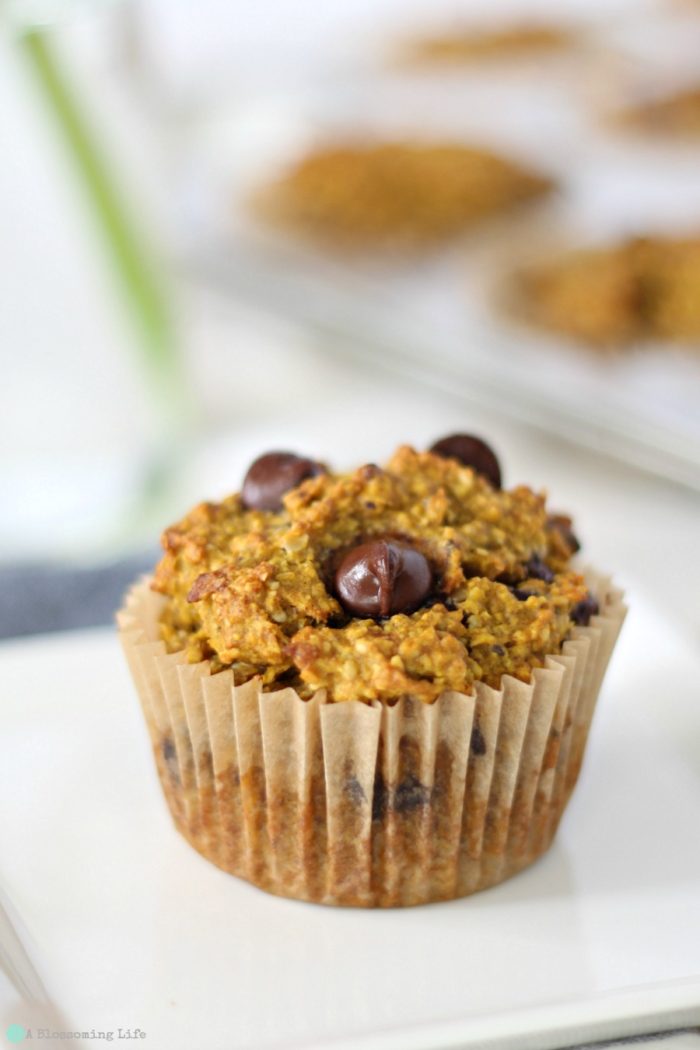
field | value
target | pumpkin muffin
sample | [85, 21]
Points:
[630, 292]
[676, 114]
[404, 195]
[371, 688]
[477, 44]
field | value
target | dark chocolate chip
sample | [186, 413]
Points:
[521, 594]
[370, 505]
[498, 650]
[537, 569]
[472, 452]
[561, 523]
[410, 794]
[477, 744]
[355, 790]
[582, 612]
[273, 474]
[169, 753]
[381, 578]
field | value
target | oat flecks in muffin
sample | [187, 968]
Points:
[254, 590]
[638, 289]
[397, 194]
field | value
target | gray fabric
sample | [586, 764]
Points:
[37, 598]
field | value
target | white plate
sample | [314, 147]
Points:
[132, 928]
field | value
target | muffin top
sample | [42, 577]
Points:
[395, 194]
[609, 296]
[671, 113]
[475, 43]
[404, 580]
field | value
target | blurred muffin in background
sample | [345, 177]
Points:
[635, 290]
[477, 43]
[675, 113]
[396, 194]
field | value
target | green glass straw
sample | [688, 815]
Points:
[135, 269]
[142, 283]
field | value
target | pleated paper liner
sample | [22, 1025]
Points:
[366, 804]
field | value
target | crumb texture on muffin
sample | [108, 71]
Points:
[255, 590]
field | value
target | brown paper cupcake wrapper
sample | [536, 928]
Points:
[365, 804]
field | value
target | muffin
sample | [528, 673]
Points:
[469, 44]
[673, 113]
[371, 688]
[632, 291]
[396, 195]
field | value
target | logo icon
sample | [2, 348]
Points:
[16, 1033]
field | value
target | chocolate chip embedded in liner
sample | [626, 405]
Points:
[471, 452]
[477, 743]
[381, 578]
[583, 610]
[169, 753]
[410, 794]
[355, 791]
[273, 474]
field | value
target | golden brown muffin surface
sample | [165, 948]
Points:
[477, 43]
[637, 289]
[255, 589]
[676, 113]
[397, 194]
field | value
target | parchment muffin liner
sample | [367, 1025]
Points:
[368, 804]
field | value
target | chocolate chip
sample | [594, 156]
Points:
[436, 599]
[537, 569]
[381, 578]
[582, 612]
[355, 790]
[471, 452]
[561, 523]
[410, 794]
[169, 754]
[273, 474]
[477, 743]
[521, 594]
[498, 650]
